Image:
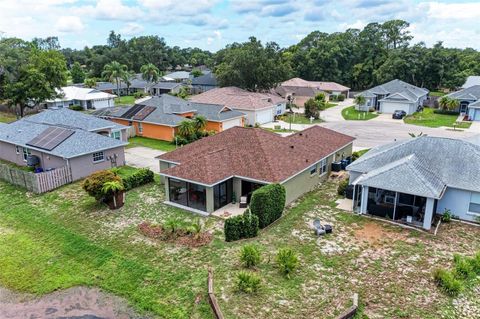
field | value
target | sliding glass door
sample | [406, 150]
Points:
[188, 194]
[222, 194]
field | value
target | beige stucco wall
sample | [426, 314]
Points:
[8, 153]
[83, 166]
[305, 182]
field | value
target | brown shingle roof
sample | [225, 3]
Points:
[235, 97]
[322, 86]
[253, 153]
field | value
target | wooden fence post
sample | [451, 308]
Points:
[211, 296]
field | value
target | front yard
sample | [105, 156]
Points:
[350, 114]
[64, 238]
[125, 100]
[429, 118]
[298, 118]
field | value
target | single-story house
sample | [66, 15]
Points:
[162, 87]
[471, 81]
[204, 82]
[85, 97]
[82, 147]
[177, 76]
[469, 101]
[301, 90]
[205, 175]
[160, 116]
[392, 96]
[413, 180]
[259, 108]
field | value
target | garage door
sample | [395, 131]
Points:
[264, 116]
[231, 123]
[389, 107]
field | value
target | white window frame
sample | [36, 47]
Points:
[323, 167]
[475, 202]
[313, 170]
[98, 157]
[114, 133]
[26, 152]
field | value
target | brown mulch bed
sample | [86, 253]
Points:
[180, 236]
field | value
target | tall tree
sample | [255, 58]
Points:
[396, 33]
[150, 72]
[115, 72]
[78, 76]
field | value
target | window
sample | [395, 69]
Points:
[116, 135]
[140, 128]
[98, 157]
[474, 203]
[17, 149]
[313, 170]
[323, 167]
[26, 153]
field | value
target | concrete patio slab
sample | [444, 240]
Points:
[142, 157]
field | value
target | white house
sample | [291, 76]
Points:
[469, 101]
[392, 96]
[85, 97]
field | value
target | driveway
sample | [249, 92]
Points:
[140, 157]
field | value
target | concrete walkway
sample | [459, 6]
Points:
[334, 114]
[140, 157]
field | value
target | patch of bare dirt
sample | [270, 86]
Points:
[374, 233]
[180, 236]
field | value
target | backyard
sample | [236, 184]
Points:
[125, 100]
[350, 114]
[64, 238]
[151, 143]
[429, 118]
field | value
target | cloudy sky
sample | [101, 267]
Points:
[211, 24]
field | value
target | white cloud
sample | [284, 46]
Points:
[69, 24]
[455, 11]
[131, 28]
[110, 10]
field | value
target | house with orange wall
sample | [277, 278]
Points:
[160, 116]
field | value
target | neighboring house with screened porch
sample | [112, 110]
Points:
[414, 180]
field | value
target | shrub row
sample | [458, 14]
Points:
[241, 226]
[140, 177]
[76, 107]
[339, 98]
[446, 112]
[268, 203]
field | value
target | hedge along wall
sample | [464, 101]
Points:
[268, 203]
[140, 177]
[241, 226]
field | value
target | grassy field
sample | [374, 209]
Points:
[298, 118]
[7, 117]
[430, 119]
[151, 143]
[125, 100]
[64, 238]
[436, 93]
[351, 114]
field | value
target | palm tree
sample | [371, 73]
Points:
[90, 83]
[444, 102]
[453, 104]
[186, 129]
[200, 123]
[114, 72]
[111, 189]
[150, 72]
[126, 79]
[360, 100]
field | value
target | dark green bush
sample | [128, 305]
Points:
[447, 216]
[287, 261]
[446, 280]
[268, 203]
[76, 108]
[139, 95]
[446, 112]
[341, 97]
[333, 98]
[140, 177]
[247, 282]
[93, 184]
[342, 187]
[241, 226]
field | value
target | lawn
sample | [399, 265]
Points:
[280, 130]
[64, 238]
[151, 143]
[7, 117]
[437, 93]
[298, 118]
[350, 114]
[125, 100]
[430, 119]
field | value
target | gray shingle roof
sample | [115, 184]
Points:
[166, 85]
[80, 143]
[178, 75]
[471, 93]
[398, 86]
[206, 79]
[73, 119]
[455, 162]
[471, 81]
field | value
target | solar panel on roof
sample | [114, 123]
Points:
[143, 113]
[50, 138]
[132, 111]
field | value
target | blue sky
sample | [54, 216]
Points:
[211, 24]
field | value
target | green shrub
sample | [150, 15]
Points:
[250, 256]
[268, 203]
[464, 268]
[76, 108]
[140, 177]
[341, 97]
[139, 95]
[247, 282]
[287, 261]
[93, 184]
[241, 226]
[447, 216]
[342, 187]
[475, 262]
[446, 280]
[333, 98]
[445, 112]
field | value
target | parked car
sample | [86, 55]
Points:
[399, 114]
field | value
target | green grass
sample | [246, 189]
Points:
[13, 165]
[437, 93]
[125, 171]
[430, 119]
[299, 118]
[329, 105]
[125, 100]
[282, 130]
[350, 114]
[7, 117]
[151, 143]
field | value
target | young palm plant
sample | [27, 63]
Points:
[111, 189]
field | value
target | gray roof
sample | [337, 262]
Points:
[409, 170]
[398, 86]
[455, 163]
[166, 85]
[205, 79]
[167, 107]
[406, 95]
[72, 119]
[472, 93]
[471, 81]
[81, 142]
[106, 86]
[178, 75]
